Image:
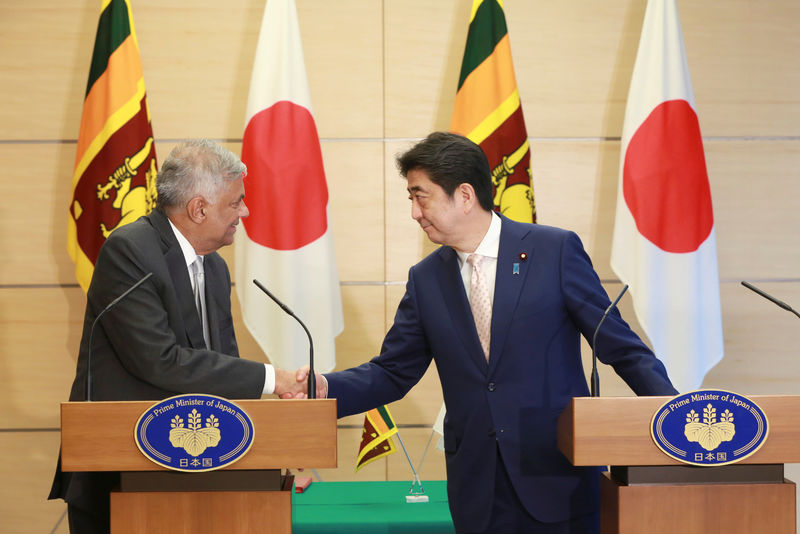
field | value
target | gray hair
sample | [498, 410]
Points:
[196, 167]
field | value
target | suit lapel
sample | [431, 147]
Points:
[176, 263]
[513, 263]
[457, 304]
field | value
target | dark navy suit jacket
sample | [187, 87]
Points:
[512, 403]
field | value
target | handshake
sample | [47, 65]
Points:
[294, 384]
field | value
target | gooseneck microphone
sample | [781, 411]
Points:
[769, 297]
[312, 378]
[595, 378]
[94, 324]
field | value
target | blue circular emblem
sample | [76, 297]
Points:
[194, 433]
[709, 427]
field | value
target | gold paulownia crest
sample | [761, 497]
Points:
[194, 439]
[710, 433]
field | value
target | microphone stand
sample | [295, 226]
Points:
[312, 379]
[595, 380]
[91, 333]
[770, 298]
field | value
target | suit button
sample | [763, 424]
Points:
[491, 386]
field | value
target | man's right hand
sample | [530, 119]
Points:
[294, 385]
[301, 378]
[287, 387]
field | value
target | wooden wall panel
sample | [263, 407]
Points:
[573, 63]
[364, 326]
[36, 186]
[422, 71]
[46, 50]
[574, 184]
[216, 50]
[343, 43]
[356, 214]
[26, 468]
[755, 191]
[739, 57]
[205, 52]
[761, 355]
[40, 331]
[197, 62]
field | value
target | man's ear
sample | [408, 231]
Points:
[466, 195]
[196, 209]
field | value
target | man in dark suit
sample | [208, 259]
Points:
[168, 336]
[504, 384]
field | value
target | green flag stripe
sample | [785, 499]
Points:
[386, 418]
[112, 29]
[487, 28]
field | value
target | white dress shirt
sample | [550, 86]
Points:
[190, 256]
[489, 247]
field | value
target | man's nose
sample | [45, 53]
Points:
[416, 213]
[243, 210]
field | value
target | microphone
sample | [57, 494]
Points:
[312, 379]
[595, 378]
[91, 333]
[782, 304]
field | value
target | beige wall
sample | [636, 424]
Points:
[382, 74]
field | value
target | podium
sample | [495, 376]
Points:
[647, 491]
[250, 495]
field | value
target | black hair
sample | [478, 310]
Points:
[451, 160]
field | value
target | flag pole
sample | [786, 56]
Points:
[412, 495]
[425, 452]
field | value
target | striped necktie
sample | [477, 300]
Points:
[200, 296]
[480, 302]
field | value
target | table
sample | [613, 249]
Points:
[370, 507]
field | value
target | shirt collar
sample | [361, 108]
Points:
[490, 245]
[188, 250]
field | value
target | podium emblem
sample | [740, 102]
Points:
[709, 427]
[194, 433]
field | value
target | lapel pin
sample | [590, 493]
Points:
[523, 256]
[516, 268]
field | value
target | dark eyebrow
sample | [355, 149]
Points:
[415, 189]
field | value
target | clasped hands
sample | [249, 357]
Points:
[294, 384]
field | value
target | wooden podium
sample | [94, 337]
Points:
[250, 495]
[647, 491]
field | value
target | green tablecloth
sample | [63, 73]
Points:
[370, 507]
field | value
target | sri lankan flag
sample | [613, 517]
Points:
[376, 439]
[489, 113]
[115, 165]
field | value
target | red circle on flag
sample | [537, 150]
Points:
[664, 179]
[285, 187]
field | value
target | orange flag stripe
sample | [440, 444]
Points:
[378, 422]
[112, 101]
[485, 89]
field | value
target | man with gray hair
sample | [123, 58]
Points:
[174, 333]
